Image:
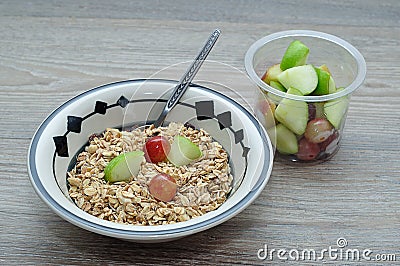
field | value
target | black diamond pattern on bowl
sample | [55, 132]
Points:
[122, 101]
[61, 144]
[74, 124]
[100, 107]
[245, 151]
[224, 120]
[204, 110]
[238, 136]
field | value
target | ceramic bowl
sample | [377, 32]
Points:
[66, 130]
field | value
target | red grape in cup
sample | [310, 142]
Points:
[307, 150]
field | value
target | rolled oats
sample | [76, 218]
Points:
[202, 185]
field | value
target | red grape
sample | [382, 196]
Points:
[156, 149]
[318, 130]
[163, 187]
[307, 150]
[330, 143]
[312, 111]
[264, 76]
[266, 106]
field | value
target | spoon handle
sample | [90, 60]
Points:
[188, 77]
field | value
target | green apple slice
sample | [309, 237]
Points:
[286, 140]
[325, 68]
[293, 114]
[276, 85]
[296, 55]
[332, 86]
[183, 151]
[279, 87]
[124, 166]
[335, 110]
[272, 73]
[303, 78]
[323, 82]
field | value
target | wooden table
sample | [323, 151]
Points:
[52, 50]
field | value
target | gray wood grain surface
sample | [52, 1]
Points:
[52, 50]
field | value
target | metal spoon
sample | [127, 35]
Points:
[187, 78]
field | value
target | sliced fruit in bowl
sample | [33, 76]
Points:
[124, 166]
[183, 151]
[156, 149]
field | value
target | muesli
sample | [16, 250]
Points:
[161, 192]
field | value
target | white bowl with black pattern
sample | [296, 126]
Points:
[66, 130]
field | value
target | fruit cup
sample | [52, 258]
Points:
[307, 78]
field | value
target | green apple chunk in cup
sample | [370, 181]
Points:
[326, 84]
[293, 114]
[336, 109]
[303, 78]
[272, 73]
[304, 130]
[284, 139]
[296, 55]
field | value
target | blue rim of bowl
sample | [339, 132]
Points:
[356, 83]
[102, 229]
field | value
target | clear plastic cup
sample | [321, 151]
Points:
[348, 69]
